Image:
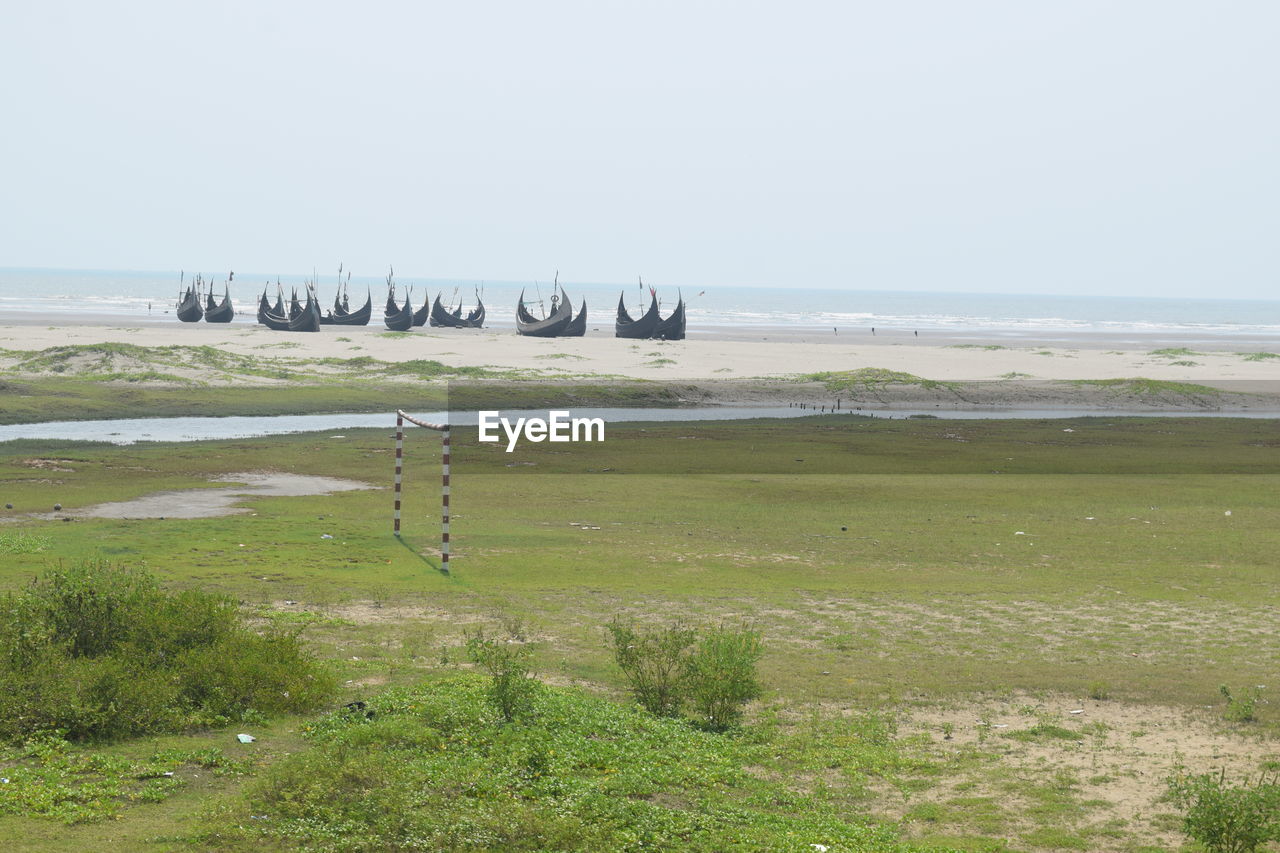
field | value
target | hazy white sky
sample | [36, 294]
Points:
[1069, 147]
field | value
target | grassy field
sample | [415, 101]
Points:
[969, 584]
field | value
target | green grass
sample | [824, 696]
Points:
[55, 398]
[582, 773]
[24, 543]
[48, 778]
[1152, 387]
[868, 378]
[1174, 352]
[383, 388]
[1258, 356]
[928, 596]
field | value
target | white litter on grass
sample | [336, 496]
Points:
[1020, 533]
[1089, 518]
[821, 848]
[325, 536]
[1068, 429]
[244, 738]
[1077, 711]
[1228, 512]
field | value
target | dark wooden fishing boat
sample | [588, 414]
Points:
[395, 318]
[578, 327]
[295, 307]
[223, 312]
[307, 319]
[442, 317]
[273, 316]
[642, 327]
[672, 327]
[552, 326]
[358, 317]
[423, 314]
[189, 310]
[271, 320]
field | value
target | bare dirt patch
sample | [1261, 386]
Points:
[49, 464]
[1116, 762]
[208, 503]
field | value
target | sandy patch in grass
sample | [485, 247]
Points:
[208, 503]
[1115, 767]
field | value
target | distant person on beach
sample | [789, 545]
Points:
[916, 333]
[873, 330]
[834, 330]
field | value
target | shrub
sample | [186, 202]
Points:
[1227, 818]
[653, 662]
[1240, 709]
[507, 661]
[720, 675]
[97, 651]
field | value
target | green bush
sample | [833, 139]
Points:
[1227, 818]
[1240, 709]
[512, 688]
[97, 651]
[720, 675]
[653, 662]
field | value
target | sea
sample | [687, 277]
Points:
[141, 297]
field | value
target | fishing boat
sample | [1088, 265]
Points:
[442, 317]
[307, 318]
[394, 317]
[641, 327]
[671, 328]
[189, 310]
[398, 319]
[552, 326]
[341, 313]
[358, 317]
[220, 312]
[578, 327]
[267, 313]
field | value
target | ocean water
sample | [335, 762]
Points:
[138, 297]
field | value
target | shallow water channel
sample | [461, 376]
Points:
[132, 430]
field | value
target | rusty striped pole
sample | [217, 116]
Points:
[443, 429]
[399, 465]
[444, 496]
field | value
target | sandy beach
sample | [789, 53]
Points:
[705, 355]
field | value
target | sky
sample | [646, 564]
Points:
[1126, 148]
